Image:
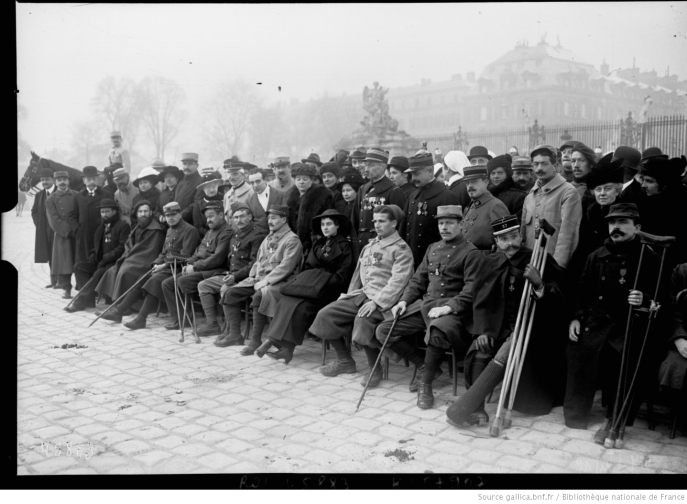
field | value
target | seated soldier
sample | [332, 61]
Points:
[108, 246]
[496, 294]
[243, 250]
[206, 261]
[383, 270]
[278, 259]
[434, 302]
[181, 240]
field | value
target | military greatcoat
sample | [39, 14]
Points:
[63, 216]
[44, 234]
[476, 218]
[371, 195]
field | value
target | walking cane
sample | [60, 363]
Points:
[378, 359]
[618, 424]
[523, 313]
[79, 293]
[145, 275]
[549, 230]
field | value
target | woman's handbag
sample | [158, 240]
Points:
[309, 284]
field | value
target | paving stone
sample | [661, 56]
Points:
[234, 445]
[50, 432]
[131, 447]
[152, 458]
[217, 461]
[546, 439]
[192, 450]
[675, 464]
[553, 457]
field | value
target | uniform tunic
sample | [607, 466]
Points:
[371, 195]
[283, 187]
[240, 194]
[199, 220]
[120, 155]
[476, 218]
[125, 200]
[62, 210]
[420, 227]
[108, 246]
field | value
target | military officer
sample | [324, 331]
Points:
[482, 209]
[384, 269]
[240, 191]
[118, 154]
[282, 167]
[243, 250]
[433, 302]
[62, 210]
[380, 190]
[419, 228]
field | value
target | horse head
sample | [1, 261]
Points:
[31, 176]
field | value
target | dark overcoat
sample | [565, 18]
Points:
[243, 250]
[44, 234]
[166, 195]
[511, 195]
[140, 250]
[419, 229]
[302, 209]
[152, 195]
[460, 189]
[672, 373]
[89, 220]
[186, 193]
[371, 195]
[62, 210]
[199, 220]
[211, 254]
[110, 249]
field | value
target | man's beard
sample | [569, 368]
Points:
[144, 222]
[113, 218]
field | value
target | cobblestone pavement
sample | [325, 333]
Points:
[141, 402]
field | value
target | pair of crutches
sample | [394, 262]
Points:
[521, 334]
[183, 300]
[625, 393]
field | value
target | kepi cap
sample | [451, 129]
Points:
[281, 210]
[171, 207]
[213, 205]
[449, 211]
[115, 133]
[521, 163]
[189, 156]
[377, 155]
[419, 161]
[475, 172]
[623, 210]
[282, 160]
[504, 224]
[61, 174]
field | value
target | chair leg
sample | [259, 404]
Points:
[454, 372]
[673, 426]
[247, 320]
[650, 414]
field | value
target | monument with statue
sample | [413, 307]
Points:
[378, 128]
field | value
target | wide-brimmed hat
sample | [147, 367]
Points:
[207, 182]
[343, 222]
[504, 224]
[312, 158]
[172, 170]
[108, 203]
[303, 169]
[90, 171]
[148, 173]
[631, 157]
[479, 151]
[623, 210]
[449, 211]
[504, 161]
[352, 177]
[607, 170]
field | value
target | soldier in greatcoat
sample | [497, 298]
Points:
[482, 209]
[433, 303]
[44, 234]
[380, 190]
[108, 246]
[383, 270]
[62, 210]
[89, 213]
[419, 229]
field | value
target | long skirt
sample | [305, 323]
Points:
[292, 319]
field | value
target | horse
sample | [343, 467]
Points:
[29, 182]
[21, 200]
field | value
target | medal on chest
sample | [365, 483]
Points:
[622, 280]
[422, 208]
[327, 249]
[375, 259]
[272, 247]
[235, 246]
[512, 283]
[437, 272]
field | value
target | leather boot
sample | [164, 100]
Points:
[285, 352]
[344, 362]
[137, 323]
[472, 402]
[259, 323]
[376, 377]
[262, 349]
[601, 435]
[114, 315]
[209, 329]
[232, 320]
[425, 396]
[415, 384]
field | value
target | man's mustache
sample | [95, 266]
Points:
[618, 232]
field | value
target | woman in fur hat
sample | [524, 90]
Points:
[332, 252]
[329, 172]
[305, 201]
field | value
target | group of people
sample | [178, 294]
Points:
[343, 250]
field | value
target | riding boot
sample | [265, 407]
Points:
[375, 377]
[344, 362]
[473, 399]
[232, 332]
[434, 356]
[410, 352]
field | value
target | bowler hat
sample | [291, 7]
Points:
[547, 150]
[504, 224]
[89, 171]
[189, 156]
[351, 177]
[303, 170]
[631, 157]
[504, 161]
[653, 152]
[212, 205]
[521, 163]
[46, 173]
[377, 155]
[108, 203]
[312, 158]
[449, 211]
[281, 210]
[475, 172]
[608, 170]
[333, 168]
[399, 162]
[61, 174]
[172, 170]
[171, 207]
[479, 151]
[623, 210]
[339, 218]
[419, 161]
[148, 173]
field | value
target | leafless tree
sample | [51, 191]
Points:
[87, 143]
[268, 133]
[160, 102]
[115, 102]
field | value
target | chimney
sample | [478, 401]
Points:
[470, 76]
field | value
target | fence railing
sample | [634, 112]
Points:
[669, 133]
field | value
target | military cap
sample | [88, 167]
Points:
[213, 205]
[90, 171]
[232, 165]
[115, 133]
[303, 170]
[171, 207]
[449, 211]
[608, 170]
[377, 155]
[189, 156]
[119, 172]
[330, 168]
[631, 157]
[172, 170]
[479, 151]
[61, 174]
[399, 162]
[282, 160]
[342, 220]
[550, 150]
[475, 172]
[359, 153]
[46, 173]
[312, 158]
[351, 177]
[238, 205]
[521, 163]
[419, 161]
[652, 152]
[623, 210]
[108, 203]
[504, 224]
[568, 145]
[148, 173]
[281, 210]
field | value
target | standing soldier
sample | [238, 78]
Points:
[283, 181]
[186, 193]
[44, 234]
[118, 154]
[89, 214]
[63, 216]
[522, 174]
[126, 192]
[482, 209]
[380, 190]
[419, 228]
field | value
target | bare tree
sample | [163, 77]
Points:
[85, 142]
[267, 132]
[115, 102]
[229, 113]
[160, 101]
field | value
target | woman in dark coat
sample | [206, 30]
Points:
[292, 316]
[305, 201]
[348, 184]
[502, 185]
[329, 172]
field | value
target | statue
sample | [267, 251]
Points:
[644, 113]
[377, 108]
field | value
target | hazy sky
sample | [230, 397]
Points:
[65, 49]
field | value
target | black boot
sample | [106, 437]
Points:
[259, 323]
[344, 362]
[139, 322]
[472, 402]
[113, 315]
[232, 330]
[410, 352]
[425, 396]
[285, 352]
[262, 349]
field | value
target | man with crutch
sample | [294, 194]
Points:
[612, 286]
[498, 304]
